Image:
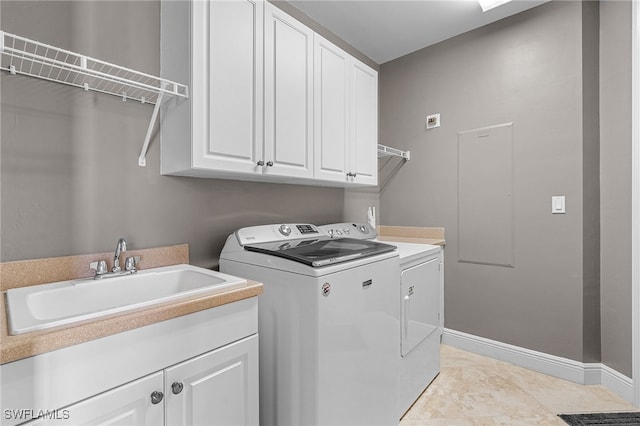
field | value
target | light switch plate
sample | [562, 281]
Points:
[558, 204]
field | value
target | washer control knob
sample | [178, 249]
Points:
[330, 233]
[346, 230]
[363, 229]
[285, 230]
[338, 232]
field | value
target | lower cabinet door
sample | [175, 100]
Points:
[138, 403]
[217, 388]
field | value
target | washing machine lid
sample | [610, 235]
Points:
[318, 252]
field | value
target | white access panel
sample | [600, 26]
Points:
[420, 303]
[486, 195]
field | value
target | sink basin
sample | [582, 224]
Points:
[50, 305]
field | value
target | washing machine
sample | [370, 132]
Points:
[420, 300]
[328, 324]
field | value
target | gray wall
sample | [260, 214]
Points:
[591, 182]
[527, 69]
[615, 184]
[69, 174]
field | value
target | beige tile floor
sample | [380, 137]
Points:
[476, 390]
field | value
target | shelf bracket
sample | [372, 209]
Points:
[142, 159]
[386, 151]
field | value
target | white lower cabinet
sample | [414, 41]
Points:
[196, 369]
[217, 388]
[128, 404]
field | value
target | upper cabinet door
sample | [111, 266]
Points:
[363, 155]
[288, 102]
[227, 85]
[331, 110]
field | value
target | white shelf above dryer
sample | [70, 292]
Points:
[31, 58]
[386, 151]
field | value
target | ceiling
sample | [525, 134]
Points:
[387, 29]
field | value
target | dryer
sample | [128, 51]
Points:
[421, 329]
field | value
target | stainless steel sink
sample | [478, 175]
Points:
[65, 302]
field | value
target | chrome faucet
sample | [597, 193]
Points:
[120, 247]
[130, 264]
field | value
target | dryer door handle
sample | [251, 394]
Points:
[406, 313]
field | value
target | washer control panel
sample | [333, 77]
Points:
[285, 230]
[362, 231]
[277, 232]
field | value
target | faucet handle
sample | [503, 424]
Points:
[131, 262]
[100, 266]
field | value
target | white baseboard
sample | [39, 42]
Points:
[563, 368]
[617, 383]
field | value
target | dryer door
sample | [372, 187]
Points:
[420, 304]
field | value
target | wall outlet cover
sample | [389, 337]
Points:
[433, 121]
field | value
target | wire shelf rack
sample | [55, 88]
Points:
[28, 57]
[20, 55]
[387, 151]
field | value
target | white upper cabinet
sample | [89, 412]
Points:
[346, 116]
[215, 46]
[271, 100]
[363, 155]
[331, 110]
[227, 61]
[288, 96]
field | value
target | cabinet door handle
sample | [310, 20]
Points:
[260, 163]
[269, 163]
[176, 387]
[156, 397]
[351, 174]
